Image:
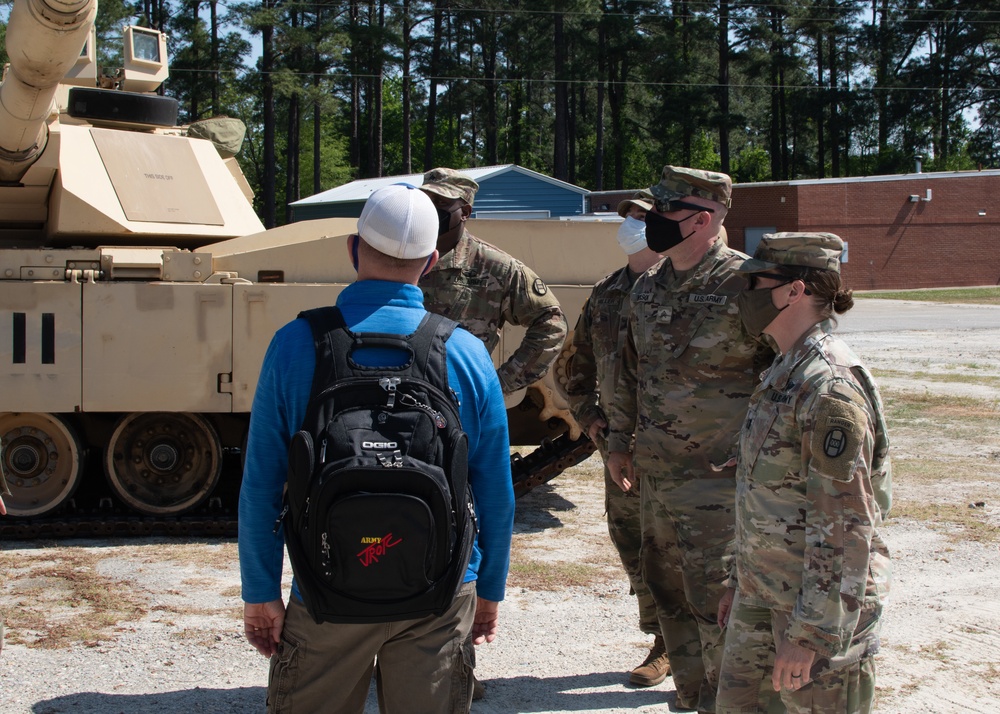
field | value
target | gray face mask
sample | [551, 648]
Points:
[757, 309]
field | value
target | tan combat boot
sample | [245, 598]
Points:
[654, 668]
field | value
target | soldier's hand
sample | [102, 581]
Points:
[262, 624]
[791, 667]
[726, 606]
[621, 470]
[597, 428]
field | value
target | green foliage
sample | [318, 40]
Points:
[752, 164]
[810, 89]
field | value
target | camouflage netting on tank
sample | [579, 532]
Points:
[225, 132]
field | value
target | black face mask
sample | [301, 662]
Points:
[757, 309]
[664, 233]
[444, 220]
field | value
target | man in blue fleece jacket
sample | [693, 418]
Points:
[421, 663]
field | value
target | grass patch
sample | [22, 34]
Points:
[935, 470]
[953, 417]
[975, 296]
[540, 575]
[213, 556]
[59, 600]
[959, 522]
[950, 377]
[937, 650]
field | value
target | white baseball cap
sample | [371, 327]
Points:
[399, 221]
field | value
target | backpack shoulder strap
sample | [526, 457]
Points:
[335, 344]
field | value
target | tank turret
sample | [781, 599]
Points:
[139, 291]
[94, 158]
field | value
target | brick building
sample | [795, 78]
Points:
[911, 231]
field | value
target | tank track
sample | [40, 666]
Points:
[548, 461]
[73, 523]
[108, 519]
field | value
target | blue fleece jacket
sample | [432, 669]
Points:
[279, 407]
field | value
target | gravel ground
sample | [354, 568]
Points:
[173, 639]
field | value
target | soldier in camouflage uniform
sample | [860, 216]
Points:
[813, 485]
[592, 371]
[482, 288]
[686, 376]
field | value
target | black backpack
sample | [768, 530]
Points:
[379, 518]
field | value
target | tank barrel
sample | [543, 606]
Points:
[44, 40]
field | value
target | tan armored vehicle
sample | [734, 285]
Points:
[139, 291]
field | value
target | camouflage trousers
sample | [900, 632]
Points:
[624, 527]
[687, 543]
[844, 684]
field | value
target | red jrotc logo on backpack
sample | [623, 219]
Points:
[376, 548]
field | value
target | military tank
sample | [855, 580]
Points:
[139, 291]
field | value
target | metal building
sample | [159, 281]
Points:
[507, 191]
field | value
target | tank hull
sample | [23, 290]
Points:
[144, 340]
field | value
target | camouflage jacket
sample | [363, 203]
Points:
[688, 368]
[482, 288]
[813, 485]
[594, 354]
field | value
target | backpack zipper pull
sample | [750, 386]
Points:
[326, 554]
[389, 384]
[439, 421]
[322, 452]
[280, 518]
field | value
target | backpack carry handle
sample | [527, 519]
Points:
[338, 344]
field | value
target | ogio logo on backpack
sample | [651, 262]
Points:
[379, 445]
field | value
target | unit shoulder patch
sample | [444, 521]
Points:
[839, 429]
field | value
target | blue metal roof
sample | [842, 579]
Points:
[501, 188]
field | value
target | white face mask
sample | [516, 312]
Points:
[632, 235]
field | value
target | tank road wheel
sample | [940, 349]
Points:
[163, 463]
[42, 461]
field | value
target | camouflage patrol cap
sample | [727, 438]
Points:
[643, 199]
[679, 182]
[802, 250]
[450, 184]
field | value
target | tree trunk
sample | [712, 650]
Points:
[489, 44]
[194, 105]
[602, 53]
[559, 165]
[213, 7]
[724, 85]
[317, 135]
[292, 142]
[267, 67]
[882, 79]
[353, 32]
[834, 108]
[820, 112]
[407, 29]
[435, 71]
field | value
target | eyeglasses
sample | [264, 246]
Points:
[673, 205]
[785, 280]
[752, 279]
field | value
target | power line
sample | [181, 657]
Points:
[344, 76]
